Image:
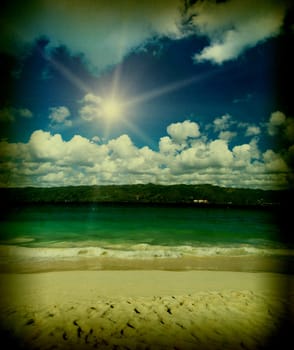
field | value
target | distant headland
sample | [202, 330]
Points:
[145, 194]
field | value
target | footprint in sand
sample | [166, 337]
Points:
[30, 321]
[64, 336]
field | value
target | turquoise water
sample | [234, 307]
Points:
[71, 226]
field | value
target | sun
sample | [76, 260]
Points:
[112, 109]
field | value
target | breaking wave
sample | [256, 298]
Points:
[84, 250]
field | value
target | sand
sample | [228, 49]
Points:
[145, 310]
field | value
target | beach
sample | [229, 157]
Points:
[136, 309]
[96, 277]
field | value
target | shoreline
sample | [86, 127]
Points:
[245, 263]
[273, 207]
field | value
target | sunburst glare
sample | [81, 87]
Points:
[112, 109]
[115, 109]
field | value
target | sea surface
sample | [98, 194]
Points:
[128, 232]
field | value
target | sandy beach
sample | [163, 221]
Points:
[145, 309]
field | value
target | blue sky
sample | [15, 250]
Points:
[135, 92]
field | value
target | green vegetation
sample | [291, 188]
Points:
[144, 194]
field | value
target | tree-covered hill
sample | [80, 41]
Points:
[144, 194]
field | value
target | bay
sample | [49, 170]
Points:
[168, 226]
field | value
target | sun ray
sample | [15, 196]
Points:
[138, 132]
[70, 76]
[116, 105]
[117, 110]
[174, 86]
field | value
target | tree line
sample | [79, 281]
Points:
[145, 194]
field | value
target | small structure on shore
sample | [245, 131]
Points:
[200, 201]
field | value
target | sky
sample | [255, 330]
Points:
[131, 92]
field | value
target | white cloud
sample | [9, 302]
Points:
[104, 31]
[227, 135]
[222, 123]
[276, 120]
[59, 116]
[10, 114]
[80, 150]
[274, 162]
[234, 26]
[168, 146]
[203, 156]
[289, 131]
[242, 155]
[12, 151]
[282, 126]
[179, 132]
[96, 139]
[220, 153]
[91, 107]
[42, 146]
[92, 99]
[252, 130]
[24, 112]
[48, 160]
[122, 147]
[254, 150]
[54, 177]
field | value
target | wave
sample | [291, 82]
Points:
[75, 251]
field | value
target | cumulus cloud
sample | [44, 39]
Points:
[10, 114]
[24, 112]
[104, 31]
[183, 156]
[277, 119]
[252, 130]
[96, 139]
[227, 135]
[42, 146]
[202, 155]
[91, 107]
[179, 132]
[274, 162]
[122, 147]
[242, 155]
[289, 131]
[59, 116]
[282, 126]
[222, 123]
[234, 26]
[168, 146]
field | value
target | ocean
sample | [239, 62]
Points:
[97, 236]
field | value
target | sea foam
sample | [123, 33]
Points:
[66, 251]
